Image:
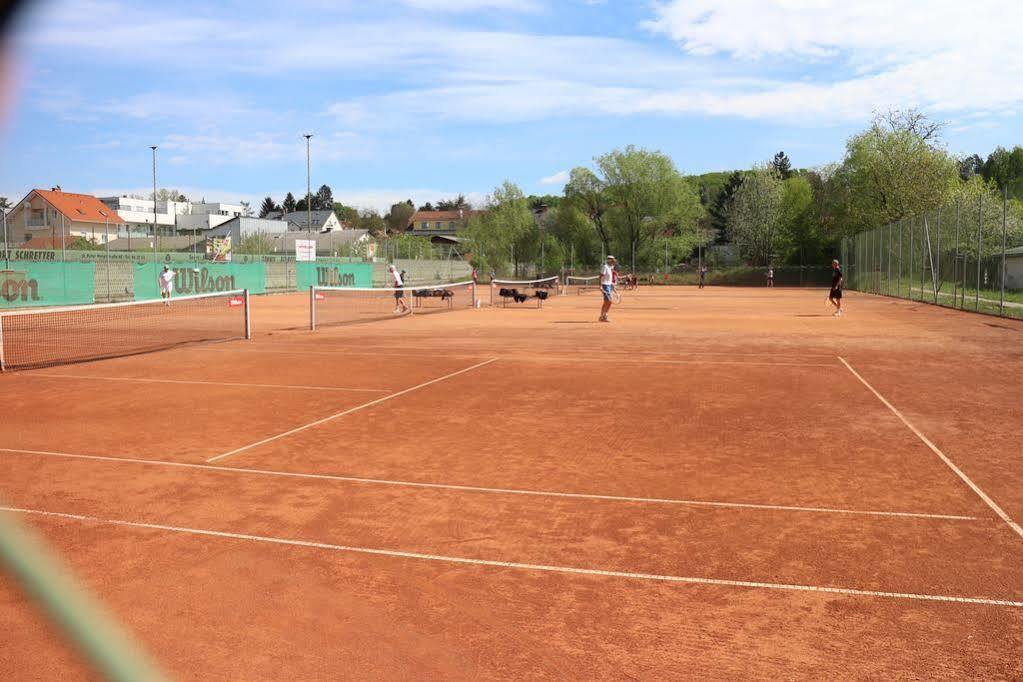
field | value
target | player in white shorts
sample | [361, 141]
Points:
[166, 284]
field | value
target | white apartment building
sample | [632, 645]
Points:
[172, 217]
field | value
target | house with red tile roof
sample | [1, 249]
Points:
[57, 214]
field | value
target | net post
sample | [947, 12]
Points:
[312, 307]
[248, 316]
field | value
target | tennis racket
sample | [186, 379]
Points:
[616, 296]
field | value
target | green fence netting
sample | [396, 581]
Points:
[31, 284]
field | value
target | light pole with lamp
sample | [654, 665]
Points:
[154, 202]
[308, 186]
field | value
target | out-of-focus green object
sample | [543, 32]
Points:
[81, 618]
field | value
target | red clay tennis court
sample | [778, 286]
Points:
[720, 484]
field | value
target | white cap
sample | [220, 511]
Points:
[611, 258]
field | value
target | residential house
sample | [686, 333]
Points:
[439, 223]
[55, 213]
[240, 227]
[322, 221]
[171, 217]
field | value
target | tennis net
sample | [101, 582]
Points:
[334, 306]
[523, 292]
[57, 336]
[582, 284]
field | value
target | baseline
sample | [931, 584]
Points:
[986, 601]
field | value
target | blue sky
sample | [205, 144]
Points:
[430, 98]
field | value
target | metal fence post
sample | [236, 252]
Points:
[936, 263]
[980, 235]
[898, 282]
[910, 273]
[1005, 209]
[955, 264]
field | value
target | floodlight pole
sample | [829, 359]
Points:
[154, 202]
[308, 186]
[7, 244]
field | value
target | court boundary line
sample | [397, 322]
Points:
[936, 450]
[521, 566]
[206, 383]
[324, 420]
[501, 491]
[527, 357]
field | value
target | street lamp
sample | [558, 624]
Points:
[308, 186]
[154, 202]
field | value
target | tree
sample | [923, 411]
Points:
[323, 200]
[289, 204]
[370, 220]
[246, 209]
[585, 193]
[970, 166]
[782, 166]
[267, 207]
[754, 215]
[718, 210]
[346, 214]
[453, 204]
[398, 217]
[164, 194]
[427, 207]
[301, 205]
[5, 204]
[895, 169]
[504, 231]
[797, 233]
[647, 196]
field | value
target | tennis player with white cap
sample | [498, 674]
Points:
[607, 285]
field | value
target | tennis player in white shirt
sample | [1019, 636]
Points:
[166, 284]
[399, 293]
[607, 286]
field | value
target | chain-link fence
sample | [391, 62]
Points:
[966, 255]
[119, 270]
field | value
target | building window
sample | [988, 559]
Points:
[440, 225]
[426, 225]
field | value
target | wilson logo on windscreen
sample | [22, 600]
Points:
[202, 282]
[16, 285]
[332, 277]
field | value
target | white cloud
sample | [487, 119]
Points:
[559, 178]
[473, 5]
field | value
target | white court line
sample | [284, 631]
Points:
[934, 448]
[501, 491]
[208, 383]
[526, 357]
[523, 566]
[349, 411]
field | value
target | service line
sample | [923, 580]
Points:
[498, 491]
[936, 450]
[88, 377]
[348, 411]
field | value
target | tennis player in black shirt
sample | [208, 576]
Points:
[835, 297]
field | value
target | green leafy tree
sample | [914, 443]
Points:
[498, 237]
[585, 193]
[398, 217]
[895, 169]
[427, 207]
[370, 219]
[798, 234]
[754, 215]
[718, 210]
[647, 197]
[346, 214]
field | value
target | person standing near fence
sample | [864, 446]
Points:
[835, 297]
[166, 280]
[770, 277]
[703, 276]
